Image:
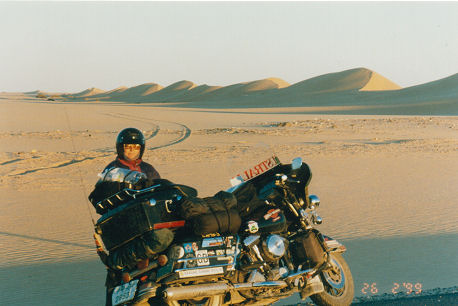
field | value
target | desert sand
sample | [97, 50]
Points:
[387, 182]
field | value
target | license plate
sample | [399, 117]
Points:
[124, 293]
[201, 272]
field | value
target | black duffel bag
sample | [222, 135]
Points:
[217, 214]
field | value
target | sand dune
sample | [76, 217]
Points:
[201, 90]
[134, 92]
[109, 94]
[170, 93]
[378, 83]
[86, 93]
[353, 79]
[354, 91]
[242, 89]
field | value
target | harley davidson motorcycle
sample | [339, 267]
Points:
[154, 256]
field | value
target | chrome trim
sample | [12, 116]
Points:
[314, 200]
[291, 277]
[303, 213]
[261, 284]
[274, 246]
[210, 289]
[195, 291]
[251, 239]
[203, 267]
[256, 276]
[270, 284]
[318, 220]
[167, 203]
[257, 252]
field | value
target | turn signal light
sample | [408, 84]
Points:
[162, 260]
[126, 277]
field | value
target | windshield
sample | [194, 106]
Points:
[254, 171]
[121, 175]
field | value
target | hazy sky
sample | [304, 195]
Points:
[71, 46]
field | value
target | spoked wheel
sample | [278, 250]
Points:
[338, 284]
[216, 300]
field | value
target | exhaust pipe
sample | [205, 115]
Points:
[211, 289]
[195, 291]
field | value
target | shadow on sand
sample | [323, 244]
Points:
[381, 263]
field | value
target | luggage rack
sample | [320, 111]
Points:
[123, 196]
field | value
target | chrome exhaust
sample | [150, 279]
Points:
[211, 289]
[195, 291]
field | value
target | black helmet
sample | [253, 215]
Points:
[129, 136]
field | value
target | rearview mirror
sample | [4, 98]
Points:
[296, 163]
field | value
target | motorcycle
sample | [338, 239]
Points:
[274, 253]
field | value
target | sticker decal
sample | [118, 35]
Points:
[228, 241]
[194, 246]
[256, 170]
[253, 227]
[212, 242]
[272, 213]
[187, 248]
[201, 272]
[202, 256]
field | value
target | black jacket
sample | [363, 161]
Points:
[104, 189]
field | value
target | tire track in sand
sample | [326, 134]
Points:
[183, 134]
[184, 131]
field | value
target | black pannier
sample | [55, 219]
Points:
[130, 232]
[217, 214]
[127, 222]
[145, 246]
[308, 250]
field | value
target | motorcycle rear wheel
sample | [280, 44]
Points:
[339, 288]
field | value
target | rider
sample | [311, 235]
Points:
[130, 146]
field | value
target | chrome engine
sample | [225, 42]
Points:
[274, 247]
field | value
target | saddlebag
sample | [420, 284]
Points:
[132, 231]
[145, 246]
[307, 249]
[217, 214]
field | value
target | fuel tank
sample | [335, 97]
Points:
[273, 221]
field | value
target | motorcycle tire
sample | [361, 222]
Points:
[339, 288]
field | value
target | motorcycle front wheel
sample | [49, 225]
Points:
[339, 288]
